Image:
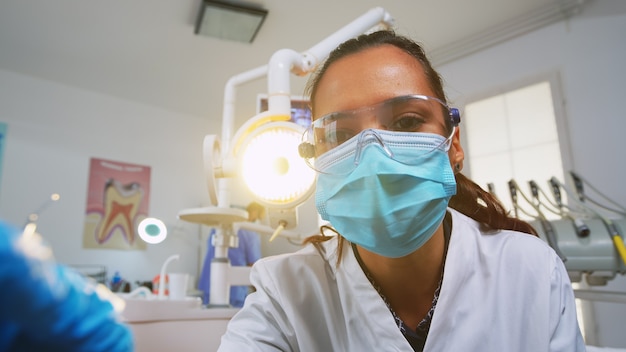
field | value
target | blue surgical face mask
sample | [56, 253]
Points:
[387, 205]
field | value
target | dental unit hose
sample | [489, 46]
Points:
[579, 182]
[618, 241]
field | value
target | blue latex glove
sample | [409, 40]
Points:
[45, 306]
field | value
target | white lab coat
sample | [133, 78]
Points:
[503, 291]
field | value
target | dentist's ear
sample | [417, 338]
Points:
[456, 153]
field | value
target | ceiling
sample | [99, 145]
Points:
[146, 51]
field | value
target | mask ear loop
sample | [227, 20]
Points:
[362, 143]
[448, 142]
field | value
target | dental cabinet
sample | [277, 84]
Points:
[181, 325]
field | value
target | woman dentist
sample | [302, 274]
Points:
[424, 259]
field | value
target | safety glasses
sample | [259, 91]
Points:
[390, 123]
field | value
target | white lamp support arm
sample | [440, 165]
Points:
[228, 126]
[282, 64]
[228, 112]
[376, 17]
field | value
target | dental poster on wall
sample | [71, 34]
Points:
[118, 196]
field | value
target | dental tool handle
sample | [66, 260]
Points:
[582, 230]
[551, 237]
[534, 189]
[578, 183]
[556, 190]
[491, 188]
[513, 192]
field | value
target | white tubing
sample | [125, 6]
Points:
[162, 275]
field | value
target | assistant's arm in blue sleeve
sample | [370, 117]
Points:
[47, 306]
[251, 245]
[204, 281]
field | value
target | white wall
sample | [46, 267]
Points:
[588, 52]
[54, 130]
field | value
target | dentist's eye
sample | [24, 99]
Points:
[407, 123]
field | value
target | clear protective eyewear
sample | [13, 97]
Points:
[345, 133]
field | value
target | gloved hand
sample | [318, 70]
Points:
[45, 306]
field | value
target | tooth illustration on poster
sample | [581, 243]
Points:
[117, 200]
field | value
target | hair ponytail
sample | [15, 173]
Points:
[482, 206]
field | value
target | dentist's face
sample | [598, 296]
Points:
[372, 76]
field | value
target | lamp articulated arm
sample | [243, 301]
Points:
[228, 126]
[286, 61]
[282, 64]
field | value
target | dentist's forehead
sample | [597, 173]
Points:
[367, 78]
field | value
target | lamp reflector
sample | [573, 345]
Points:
[271, 167]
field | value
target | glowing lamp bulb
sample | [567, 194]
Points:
[271, 167]
[281, 166]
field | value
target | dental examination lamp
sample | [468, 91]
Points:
[264, 153]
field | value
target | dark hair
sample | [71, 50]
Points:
[470, 198]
